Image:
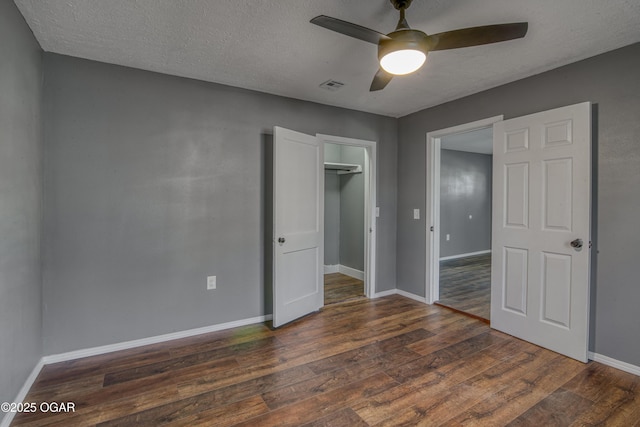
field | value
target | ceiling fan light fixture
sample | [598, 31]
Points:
[402, 61]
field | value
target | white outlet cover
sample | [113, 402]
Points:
[416, 214]
[211, 282]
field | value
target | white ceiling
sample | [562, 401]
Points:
[270, 46]
[475, 141]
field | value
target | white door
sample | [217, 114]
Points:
[541, 228]
[298, 224]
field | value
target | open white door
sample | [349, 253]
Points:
[298, 225]
[541, 228]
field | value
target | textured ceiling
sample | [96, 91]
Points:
[270, 46]
[475, 141]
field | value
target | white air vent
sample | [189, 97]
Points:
[332, 85]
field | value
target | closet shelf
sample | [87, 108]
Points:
[343, 168]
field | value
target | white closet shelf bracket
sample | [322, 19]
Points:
[343, 168]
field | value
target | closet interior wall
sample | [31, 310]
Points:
[344, 209]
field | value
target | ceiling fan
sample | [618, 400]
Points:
[404, 50]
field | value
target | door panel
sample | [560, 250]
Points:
[298, 213]
[517, 195]
[514, 280]
[557, 194]
[541, 203]
[556, 289]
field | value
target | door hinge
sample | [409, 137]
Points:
[431, 228]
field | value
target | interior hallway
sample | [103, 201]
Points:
[465, 285]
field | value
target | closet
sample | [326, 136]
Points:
[344, 205]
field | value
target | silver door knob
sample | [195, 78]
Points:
[281, 240]
[576, 244]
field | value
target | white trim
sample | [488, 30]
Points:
[330, 269]
[618, 364]
[446, 258]
[370, 226]
[432, 240]
[411, 296]
[94, 351]
[343, 269]
[385, 293]
[77, 354]
[401, 293]
[351, 272]
[6, 420]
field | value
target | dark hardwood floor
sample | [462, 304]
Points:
[339, 288]
[465, 285]
[386, 362]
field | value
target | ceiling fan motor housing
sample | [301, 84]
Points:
[404, 39]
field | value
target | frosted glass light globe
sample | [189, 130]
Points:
[403, 61]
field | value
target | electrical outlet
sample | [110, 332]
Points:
[448, 237]
[211, 282]
[416, 214]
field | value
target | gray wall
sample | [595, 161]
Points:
[611, 82]
[331, 218]
[465, 189]
[153, 182]
[352, 210]
[20, 202]
[331, 207]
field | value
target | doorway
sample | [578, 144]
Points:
[465, 222]
[459, 210]
[297, 235]
[348, 219]
[540, 273]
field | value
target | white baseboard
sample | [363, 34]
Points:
[351, 272]
[343, 269]
[402, 293]
[385, 293]
[77, 354]
[445, 258]
[329, 269]
[623, 366]
[412, 296]
[94, 351]
[6, 420]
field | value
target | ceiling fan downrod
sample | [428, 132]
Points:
[402, 5]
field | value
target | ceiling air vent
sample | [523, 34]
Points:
[332, 85]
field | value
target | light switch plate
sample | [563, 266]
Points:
[416, 214]
[211, 282]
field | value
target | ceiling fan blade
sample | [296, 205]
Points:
[349, 29]
[476, 36]
[381, 79]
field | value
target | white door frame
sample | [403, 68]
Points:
[432, 264]
[369, 172]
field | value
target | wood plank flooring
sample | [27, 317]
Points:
[465, 285]
[340, 287]
[386, 362]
